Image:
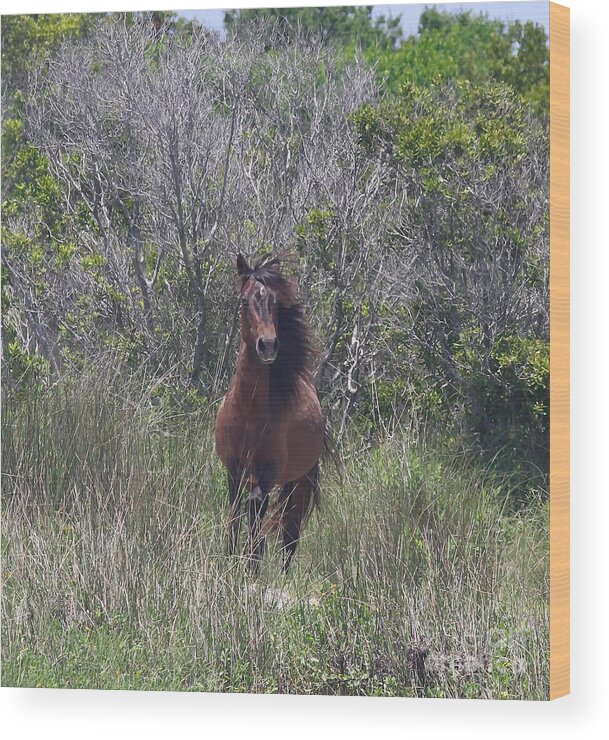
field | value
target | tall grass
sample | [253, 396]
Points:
[414, 578]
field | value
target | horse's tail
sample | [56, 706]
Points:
[315, 502]
[330, 451]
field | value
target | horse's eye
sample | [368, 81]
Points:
[244, 302]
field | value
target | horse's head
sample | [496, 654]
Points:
[259, 311]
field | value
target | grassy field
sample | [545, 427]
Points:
[415, 578]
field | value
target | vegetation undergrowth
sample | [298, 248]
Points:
[415, 578]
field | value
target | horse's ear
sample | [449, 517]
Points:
[243, 269]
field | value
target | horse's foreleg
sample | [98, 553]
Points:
[235, 481]
[295, 502]
[256, 505]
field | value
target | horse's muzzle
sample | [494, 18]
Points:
[267, 348]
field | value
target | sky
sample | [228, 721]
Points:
[505, 11]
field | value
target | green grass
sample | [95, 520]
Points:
[415, 578]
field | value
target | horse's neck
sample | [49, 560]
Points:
[252, 380]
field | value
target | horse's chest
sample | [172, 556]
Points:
[252, 441]
[262, 435]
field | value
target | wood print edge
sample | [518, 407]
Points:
[559, 352]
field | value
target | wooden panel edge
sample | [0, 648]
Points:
[559, 353]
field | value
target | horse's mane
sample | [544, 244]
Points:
[297, 350]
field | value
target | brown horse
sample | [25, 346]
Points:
[270, 429]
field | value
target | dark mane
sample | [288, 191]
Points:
[297, 350]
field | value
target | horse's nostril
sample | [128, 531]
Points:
[275, 344]
[261, 346]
